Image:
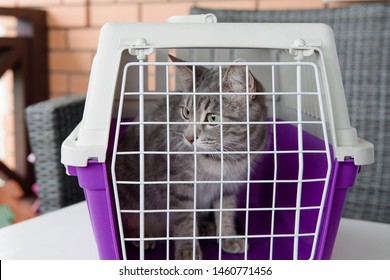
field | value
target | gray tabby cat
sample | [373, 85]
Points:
[182, 138]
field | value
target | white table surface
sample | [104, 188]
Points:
[67, 234]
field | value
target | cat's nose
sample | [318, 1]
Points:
[190, 139]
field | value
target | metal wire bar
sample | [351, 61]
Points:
[222, 171]
[274, 137]
[300, 163]
[222, 122]
[219, 182]
[248, 175]
[168, 159]
[113, 165]
[225, 237]
[262, 209]
[225, 152]
[141, 162]
[194, 229]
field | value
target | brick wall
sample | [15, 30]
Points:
[74, 28]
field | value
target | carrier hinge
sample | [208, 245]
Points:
[299, 49]
[141, 49]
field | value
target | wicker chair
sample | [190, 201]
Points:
[362, 39]
[49, 123]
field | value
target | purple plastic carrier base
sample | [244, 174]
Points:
[93, 179]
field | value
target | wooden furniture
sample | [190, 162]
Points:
[26, 56]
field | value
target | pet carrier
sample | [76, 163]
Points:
[293, 187]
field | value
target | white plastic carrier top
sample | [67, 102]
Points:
[303, 41]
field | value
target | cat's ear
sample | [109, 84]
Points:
[235, 78]
[186, 72]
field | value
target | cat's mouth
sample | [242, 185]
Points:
[211, 148]
[212, 145]
[201, 143]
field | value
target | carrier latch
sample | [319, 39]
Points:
[299, 49]
[141, 49]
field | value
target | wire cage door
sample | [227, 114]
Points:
[281, 198]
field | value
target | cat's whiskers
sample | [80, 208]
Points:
[177, 145]
[231, 144]
[227, 155]
[214, 156]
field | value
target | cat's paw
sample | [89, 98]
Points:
[185, 251]
[233, 245]
[148, 245]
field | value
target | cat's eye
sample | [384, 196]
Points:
[185, 113]
[213, 119]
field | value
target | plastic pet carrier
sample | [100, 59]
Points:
[275, 87]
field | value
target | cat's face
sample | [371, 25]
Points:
[207, 135]
[211, 110]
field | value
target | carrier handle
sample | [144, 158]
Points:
[203, 18]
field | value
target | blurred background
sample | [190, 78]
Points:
[46, 50]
